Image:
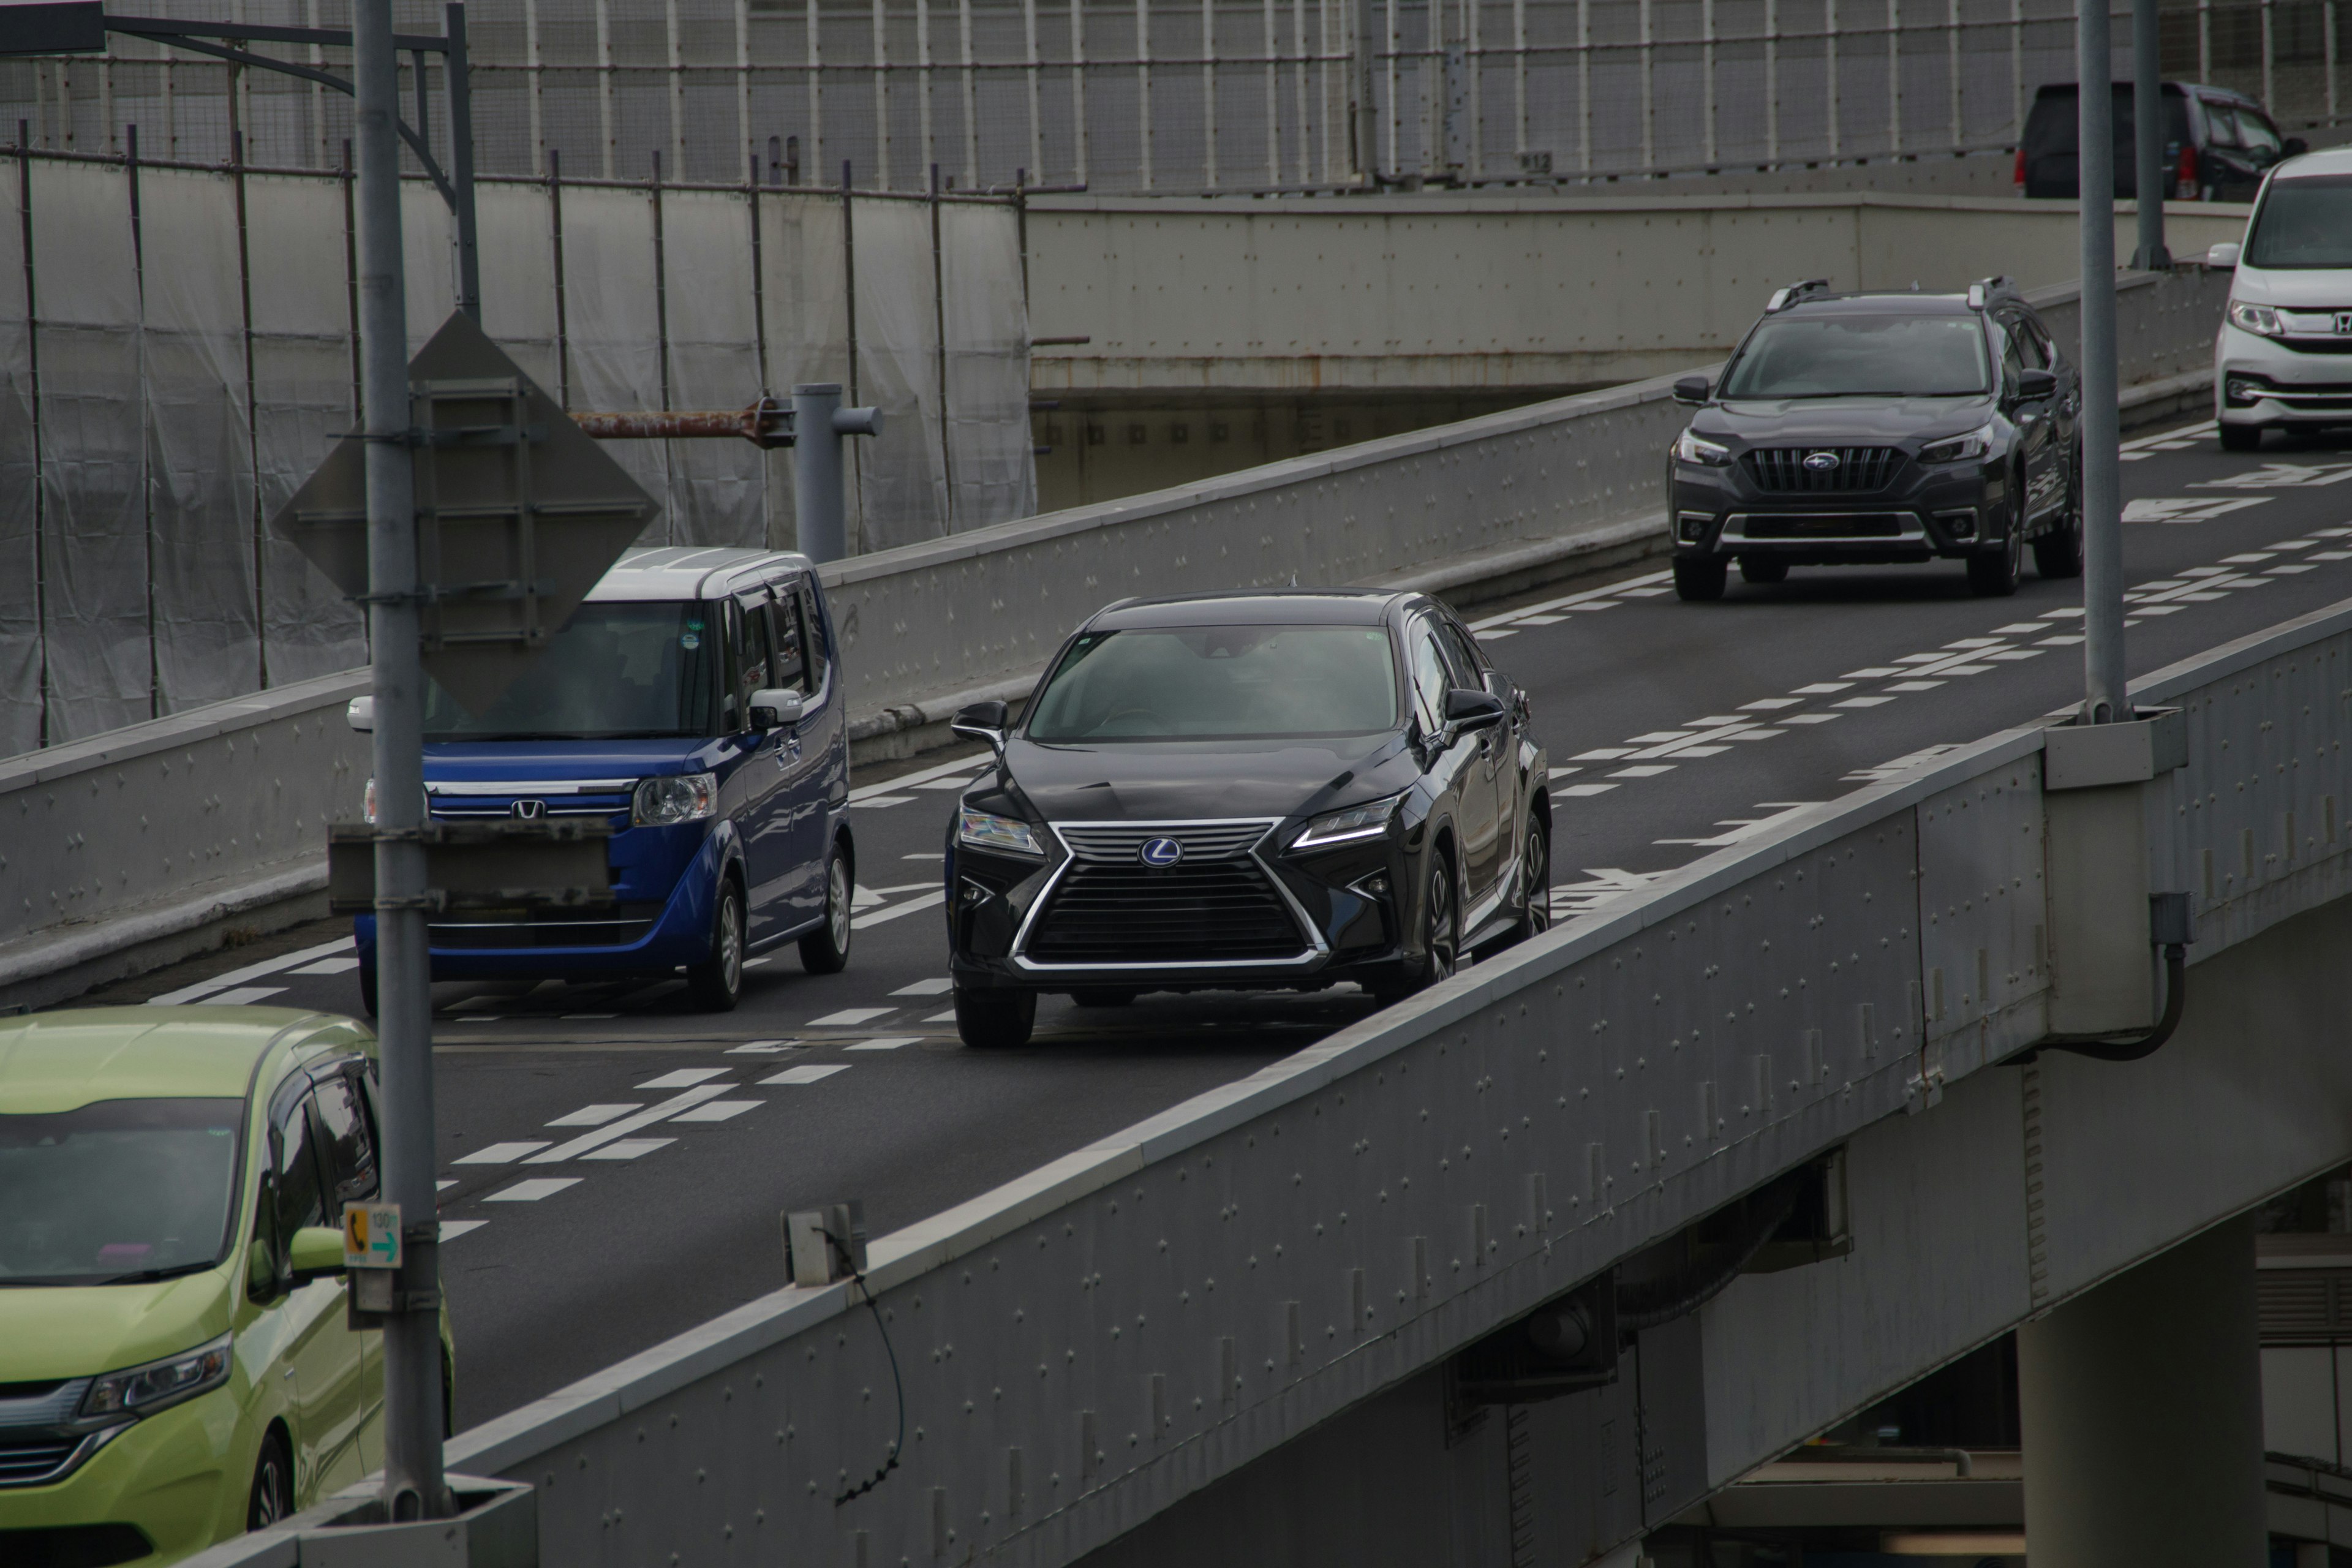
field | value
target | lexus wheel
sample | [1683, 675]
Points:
[715, 983]
[995, 1020]
[272, 1498]
[1441, 932]
[825, 950]
[1535, 879]
[1700, 578]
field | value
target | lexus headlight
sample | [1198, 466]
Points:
[142, 1390]
[1691, 449]
[2255, 319]
[675, 798]
[986, 830]
[1965, 449]
[1345, 827]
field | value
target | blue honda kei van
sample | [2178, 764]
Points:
[694, 702]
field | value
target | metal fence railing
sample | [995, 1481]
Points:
[1187, 95]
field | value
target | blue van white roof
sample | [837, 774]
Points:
[691, 572]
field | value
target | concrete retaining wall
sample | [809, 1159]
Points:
[152, 840]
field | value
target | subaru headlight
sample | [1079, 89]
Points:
[1368, 821]
[158, 1385]
[2259, 318]
[675, 798]
[986, 830]
[1965, 449]
[1692, 448]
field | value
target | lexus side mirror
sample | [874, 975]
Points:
[983, 721]
[2224, 256]
[361, 715]
[1466, 710]
[1692, 389]
[317, 1253]
[776, 709]
[2034, 386]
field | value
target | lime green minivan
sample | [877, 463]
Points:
[175, 1366]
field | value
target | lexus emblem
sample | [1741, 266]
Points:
[2344, 323]
[1161, 852]
[1821, 462]
[529, 810]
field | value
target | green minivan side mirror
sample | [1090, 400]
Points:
[317, 1253]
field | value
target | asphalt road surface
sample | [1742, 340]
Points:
[614, 1166]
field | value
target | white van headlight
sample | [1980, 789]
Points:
[2258, 318]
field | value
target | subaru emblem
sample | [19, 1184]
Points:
[1821, 462]
[529, 810]
[1161, 852]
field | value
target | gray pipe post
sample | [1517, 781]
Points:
[819, 422]
[1367, 128]
[413, 1485]
[458, 80]
[2104, 697]
[2148, 127]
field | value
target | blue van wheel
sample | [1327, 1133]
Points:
[715, 983]
[825, 950]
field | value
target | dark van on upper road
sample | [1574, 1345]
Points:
[2218, 144]
[694, 703]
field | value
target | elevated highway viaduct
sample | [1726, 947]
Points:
[1073, 1389]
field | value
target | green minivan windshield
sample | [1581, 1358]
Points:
[626, 669]
[118, 1191]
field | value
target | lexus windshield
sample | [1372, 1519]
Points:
[116, 1191]
[2304, 223]
[1219, 683]
[1863, 356]
[615, 671]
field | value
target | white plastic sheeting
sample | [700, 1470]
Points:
[195, 361]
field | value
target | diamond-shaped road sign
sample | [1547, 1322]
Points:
[519, 513]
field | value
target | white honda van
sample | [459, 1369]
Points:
[2283, 358]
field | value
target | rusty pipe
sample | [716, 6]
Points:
[766, 422]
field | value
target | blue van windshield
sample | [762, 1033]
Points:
[617, 671]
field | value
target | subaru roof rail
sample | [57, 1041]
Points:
[1984, 289]
[1784, 297]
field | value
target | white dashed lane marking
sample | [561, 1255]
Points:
[497, 1154]
[531, 1191]
[810, 1073]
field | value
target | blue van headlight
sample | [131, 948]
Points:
[675, 798]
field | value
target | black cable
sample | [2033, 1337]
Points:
[898, 1444]
[2176, 993]
[1647, 1306]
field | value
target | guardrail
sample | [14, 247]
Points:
[1123, 1326]
[1486, 505]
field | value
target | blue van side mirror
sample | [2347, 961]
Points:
[776, 709]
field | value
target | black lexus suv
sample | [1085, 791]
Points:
[1861, 428]
[1263, 791]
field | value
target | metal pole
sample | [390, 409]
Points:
[2105, 699]
[413, 1485]
[457, 84]
[1368, 130]
[816, 471]
[2148, 127]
